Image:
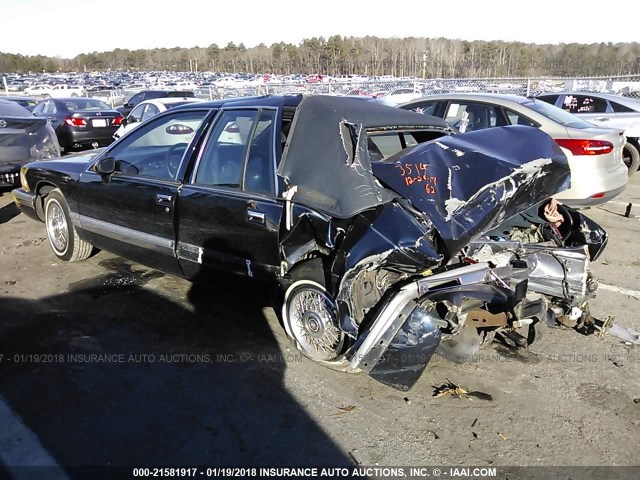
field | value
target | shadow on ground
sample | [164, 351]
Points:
[189, 388]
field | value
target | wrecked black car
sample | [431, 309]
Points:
[390, 237]
[23, 138]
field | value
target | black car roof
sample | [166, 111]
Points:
[327, 156]
[254, 101]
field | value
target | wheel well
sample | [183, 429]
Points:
[42, 191]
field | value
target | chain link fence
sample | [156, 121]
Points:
[628, 86]
[405, 89]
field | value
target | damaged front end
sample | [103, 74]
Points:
[410, 260]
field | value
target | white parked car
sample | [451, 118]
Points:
[399, 96]
[605, 110]
[64, 91]
[598, 173]
[150, 108]
[38, 91]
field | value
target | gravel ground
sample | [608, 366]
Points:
[182, 375]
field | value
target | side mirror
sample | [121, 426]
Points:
[127, 105]
[124, 121]
[106, 166]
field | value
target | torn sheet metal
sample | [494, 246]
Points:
[328, 158]
[557, 272]
[503, 171]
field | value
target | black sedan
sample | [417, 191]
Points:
[23, 138]
[80, 122]
[368, 217]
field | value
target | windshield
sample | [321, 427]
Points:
[557, 114]
[74, 105]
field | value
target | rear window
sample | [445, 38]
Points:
[557, 114]
[552, 99]
[384, 144]
[75, 105]
[12, 109]
[180, 94]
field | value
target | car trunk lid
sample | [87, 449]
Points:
[468, 184]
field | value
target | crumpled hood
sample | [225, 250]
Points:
[469, 183]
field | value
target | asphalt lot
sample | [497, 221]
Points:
[185, 376]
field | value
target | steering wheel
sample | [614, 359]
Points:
[173, 157]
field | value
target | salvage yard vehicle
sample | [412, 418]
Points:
[605, 110]
[23, 138]
[595, 154]
[150, 108]
[389, 237]
[80, 122]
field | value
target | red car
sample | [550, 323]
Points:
[314, 79]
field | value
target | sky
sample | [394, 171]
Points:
[65, 28]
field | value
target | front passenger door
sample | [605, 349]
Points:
[131, 211]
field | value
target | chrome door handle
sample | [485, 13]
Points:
[255, 217]
[601, 119]
[164, 200]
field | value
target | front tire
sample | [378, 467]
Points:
[63, 237]
[631, 157]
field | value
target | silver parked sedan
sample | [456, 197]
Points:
[605, 110]
[598, 172]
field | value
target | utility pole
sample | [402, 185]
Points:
[424, 65]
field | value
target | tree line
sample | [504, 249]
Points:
[371, 56]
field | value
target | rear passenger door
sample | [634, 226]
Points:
[228, 215]
[469, 116]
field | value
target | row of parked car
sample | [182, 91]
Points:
[389, 234]
[597, 154]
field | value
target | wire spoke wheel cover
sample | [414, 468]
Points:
[57, 228]
[311, 319]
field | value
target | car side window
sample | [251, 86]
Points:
[49, 108]
[136, 114]
[584, 104]
[619, 108]
[258, 175]
[425, 108]
[136, 99]
[223, 156]
[150, 111]
[468, 117]
[155, 150]
[515, 118]
[38, 108]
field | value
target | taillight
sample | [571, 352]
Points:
[232, 128]
[117, 121]
[586, 147]
[75, 122]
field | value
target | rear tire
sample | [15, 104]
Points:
[63, 237]
[631, 157]
[310, 315]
